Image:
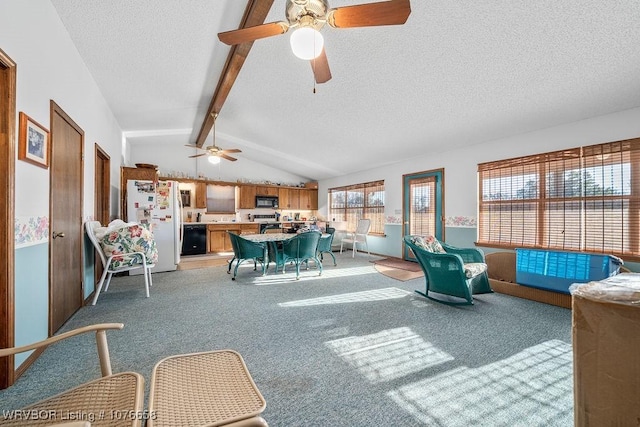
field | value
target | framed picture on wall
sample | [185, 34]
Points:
[33, 142]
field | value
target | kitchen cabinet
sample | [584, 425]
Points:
[218, 239]
[201, 195]
[288, 198]
[310, 201]
[247, 197]
[266, 190]
[298, 199]
[304, 201]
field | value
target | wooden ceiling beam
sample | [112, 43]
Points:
[255, 14]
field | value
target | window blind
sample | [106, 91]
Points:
[422, 215]
[586, 198]
[354, 202]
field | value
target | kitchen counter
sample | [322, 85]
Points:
[218, 222]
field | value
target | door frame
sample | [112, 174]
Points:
[7, 214]
[102, 193]
[406, 209]
[105, 178]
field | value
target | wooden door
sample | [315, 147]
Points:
[423, 205]
[7, 213]
[102, 198]
[65, 206]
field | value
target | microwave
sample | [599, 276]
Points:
[267, 202]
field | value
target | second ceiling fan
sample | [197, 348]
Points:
[307, 17]
[214, 152]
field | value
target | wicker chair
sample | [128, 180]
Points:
[448, 270]
[112, 393]
[109, 263]
[324, 245]
[301, 248]
[208, 388]
[244, 250]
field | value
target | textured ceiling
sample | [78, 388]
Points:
[457, 73]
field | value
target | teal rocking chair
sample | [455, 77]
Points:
[244, 250]
[457, 272]
[301, 248]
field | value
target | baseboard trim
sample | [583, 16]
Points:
[28, 362]
[534, 294]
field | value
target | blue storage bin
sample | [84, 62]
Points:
[557, 270]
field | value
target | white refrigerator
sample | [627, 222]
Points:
[158, 204]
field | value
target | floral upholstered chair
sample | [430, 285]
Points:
[448, 270]
[122, 247]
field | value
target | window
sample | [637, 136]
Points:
[358, 201]
[583, 199]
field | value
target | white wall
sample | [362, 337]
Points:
[49, 67]
[460, 166]
[171, 156]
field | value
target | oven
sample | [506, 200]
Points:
[264, 226]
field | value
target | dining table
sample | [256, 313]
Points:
[269, 237]
[274, 242]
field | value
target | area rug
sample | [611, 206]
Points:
[398, 269]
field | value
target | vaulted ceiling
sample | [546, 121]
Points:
[457, 73]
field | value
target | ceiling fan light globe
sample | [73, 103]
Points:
[214, 160]
[306, 43]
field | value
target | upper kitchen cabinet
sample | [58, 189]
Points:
[263, 190]
[308, 199]
[201, 195]
[247, 197]
[298, 199]
[289, 198]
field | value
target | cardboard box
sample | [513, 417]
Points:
[606, 351]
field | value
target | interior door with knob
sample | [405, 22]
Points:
[65, 225]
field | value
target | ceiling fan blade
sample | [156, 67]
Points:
[249, 34]
[231, 150]
[392, 12]
[224, 156]
[198, 155]
[320, 67]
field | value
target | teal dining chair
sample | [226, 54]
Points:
[324, 245]
[244, 250]
[302, 248]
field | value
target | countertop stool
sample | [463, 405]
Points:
[204, 389]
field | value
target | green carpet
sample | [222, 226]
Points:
[349, 348]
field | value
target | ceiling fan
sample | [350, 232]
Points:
[214, 152]
[307, 17]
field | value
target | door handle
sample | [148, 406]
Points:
[54, 234]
